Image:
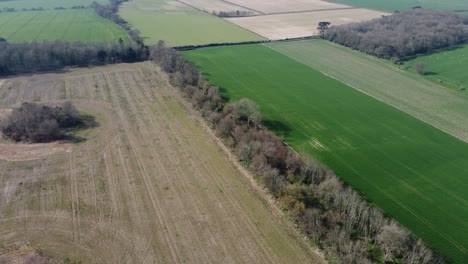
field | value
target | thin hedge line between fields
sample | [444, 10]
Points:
[332, 215]
[194, 47]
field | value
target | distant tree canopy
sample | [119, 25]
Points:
[30, 57]
[39, 123]
[322, 27]
[403, 34]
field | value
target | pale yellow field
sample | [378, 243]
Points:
[295, 25]
[282, 6]
[148, 184]
[211, 6]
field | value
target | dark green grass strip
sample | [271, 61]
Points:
[414, 172]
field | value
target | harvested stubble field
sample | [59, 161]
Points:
[181, 25]
[46, 4]
[443, 108]
[302, 24]
[413, 171]
[283, 6]
[68, 25]
[146, 185]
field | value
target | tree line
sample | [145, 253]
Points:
[110, 12]
[404, 34]
[238, 13]
[47, 56]
[334, 216]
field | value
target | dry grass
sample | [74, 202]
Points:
[147, 186]
[280, 6]
[23, 152]
[295, 25]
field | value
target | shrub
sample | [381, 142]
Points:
[39, 123]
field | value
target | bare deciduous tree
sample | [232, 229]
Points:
[420, 67]
[403, 34]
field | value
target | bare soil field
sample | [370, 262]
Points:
[296, 25]
[211, 6]
[283, 6]
[147, 185]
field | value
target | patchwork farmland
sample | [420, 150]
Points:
[284, 6]
[301, 24]
[295, 19]
[149, 179]
[181, 25]
[217, 6]
[68, 25]
[413, 171]
[146, 184]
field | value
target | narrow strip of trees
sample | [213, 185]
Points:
[403, 34]
[111, 12]
[334, 216]
[17, 58]
[238, 13]
[48, 56]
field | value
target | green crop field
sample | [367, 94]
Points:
[46, 4]
[413, 171]
[69, 25]
[443, 108]
[393, 5]
[180, 25]
[449, 68]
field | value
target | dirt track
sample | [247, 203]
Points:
[147, 186]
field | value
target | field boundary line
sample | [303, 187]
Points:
[311, 11]
[224, 18]
[260, 191]
[115, 24]
[248, 8]
[392, 105]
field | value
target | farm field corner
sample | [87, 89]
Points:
[446, 68]
[411, 170]
[181, 25]
[443, 108]
[146, 185]
[67, 25]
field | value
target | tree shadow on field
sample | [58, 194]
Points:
[86, 122]
[279, 128]
[430, 73]
[224, 93]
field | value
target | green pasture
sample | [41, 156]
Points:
[448, 68]
[68, 25]
[46, 4]
[434, 104]
[180, 25]
[399, 5]
[413, 171]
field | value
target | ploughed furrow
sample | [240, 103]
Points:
[143, 183]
